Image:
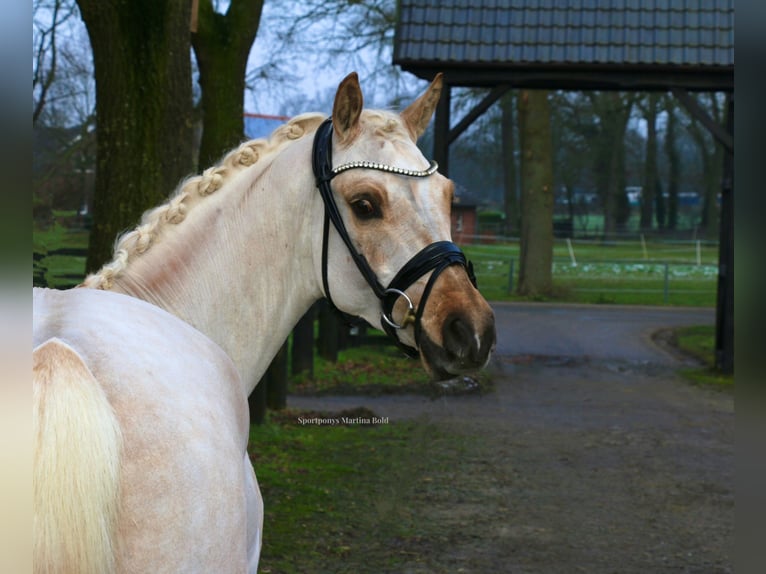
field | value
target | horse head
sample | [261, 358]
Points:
[388, 257]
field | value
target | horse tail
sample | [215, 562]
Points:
[76, 465]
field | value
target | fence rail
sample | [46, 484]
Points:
[635, 281]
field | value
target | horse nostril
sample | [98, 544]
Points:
[460, 342]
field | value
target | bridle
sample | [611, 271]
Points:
[435, 257]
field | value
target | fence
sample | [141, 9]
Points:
[608, 281]
[616, 271]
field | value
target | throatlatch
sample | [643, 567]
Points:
[435, 257]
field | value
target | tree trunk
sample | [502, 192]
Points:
[143, 105]
[536, 194]
[650, 166]
[222, 45]
[509, 166]
[674, 164]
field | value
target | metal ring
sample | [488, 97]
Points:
[409, 316]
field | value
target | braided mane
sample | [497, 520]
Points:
[133, 243]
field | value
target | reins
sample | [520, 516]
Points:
[435, 257]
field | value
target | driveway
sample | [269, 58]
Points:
[590, 331]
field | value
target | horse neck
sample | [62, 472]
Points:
[241, 267]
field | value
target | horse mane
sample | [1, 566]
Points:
[136, 242]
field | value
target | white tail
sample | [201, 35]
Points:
[76, 465]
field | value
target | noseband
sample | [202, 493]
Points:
[435, 257]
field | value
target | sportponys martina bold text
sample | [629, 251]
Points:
[337, 421]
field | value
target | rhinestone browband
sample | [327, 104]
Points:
[382, 167]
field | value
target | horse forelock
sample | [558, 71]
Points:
[192, 191]
[384, 123]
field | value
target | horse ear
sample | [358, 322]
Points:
[418, 114]
[347, 108]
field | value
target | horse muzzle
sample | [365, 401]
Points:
[457, 334]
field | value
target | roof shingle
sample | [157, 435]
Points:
[556, 32]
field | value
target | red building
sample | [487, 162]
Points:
[464, 220]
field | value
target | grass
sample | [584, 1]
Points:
[364, 370]
[590, 251]
[374, 371]
[699, 342]
[335, 496]
[58, 271]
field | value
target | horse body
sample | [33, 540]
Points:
[164, 343]
[185, 479]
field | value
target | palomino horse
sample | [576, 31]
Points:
[141, 377]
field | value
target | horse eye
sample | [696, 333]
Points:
[365, 209]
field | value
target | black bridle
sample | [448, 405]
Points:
[435, 257]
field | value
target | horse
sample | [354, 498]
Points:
[141, 374]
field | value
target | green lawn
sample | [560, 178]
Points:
[369, 370]
[335, 496]
[380, 370]
[699, 341]
[59, 271]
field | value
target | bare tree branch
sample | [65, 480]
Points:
[46, 50]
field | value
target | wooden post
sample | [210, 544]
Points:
[724, 323]
[303, 345]
[256, 402]
[329, 325]
[276, 380]
[441, 131]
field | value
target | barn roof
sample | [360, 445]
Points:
[623, 44]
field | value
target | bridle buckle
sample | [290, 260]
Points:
[409, 315]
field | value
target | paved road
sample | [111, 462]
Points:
[596, 332]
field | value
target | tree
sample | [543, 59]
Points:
[335, 37]
[674, 162]
[573, 129]
[48, 18]
[712, 156]
[143, 107]
[222, 44]
[650, 190]
[536, 194]
[612, 110]
[63, 91]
